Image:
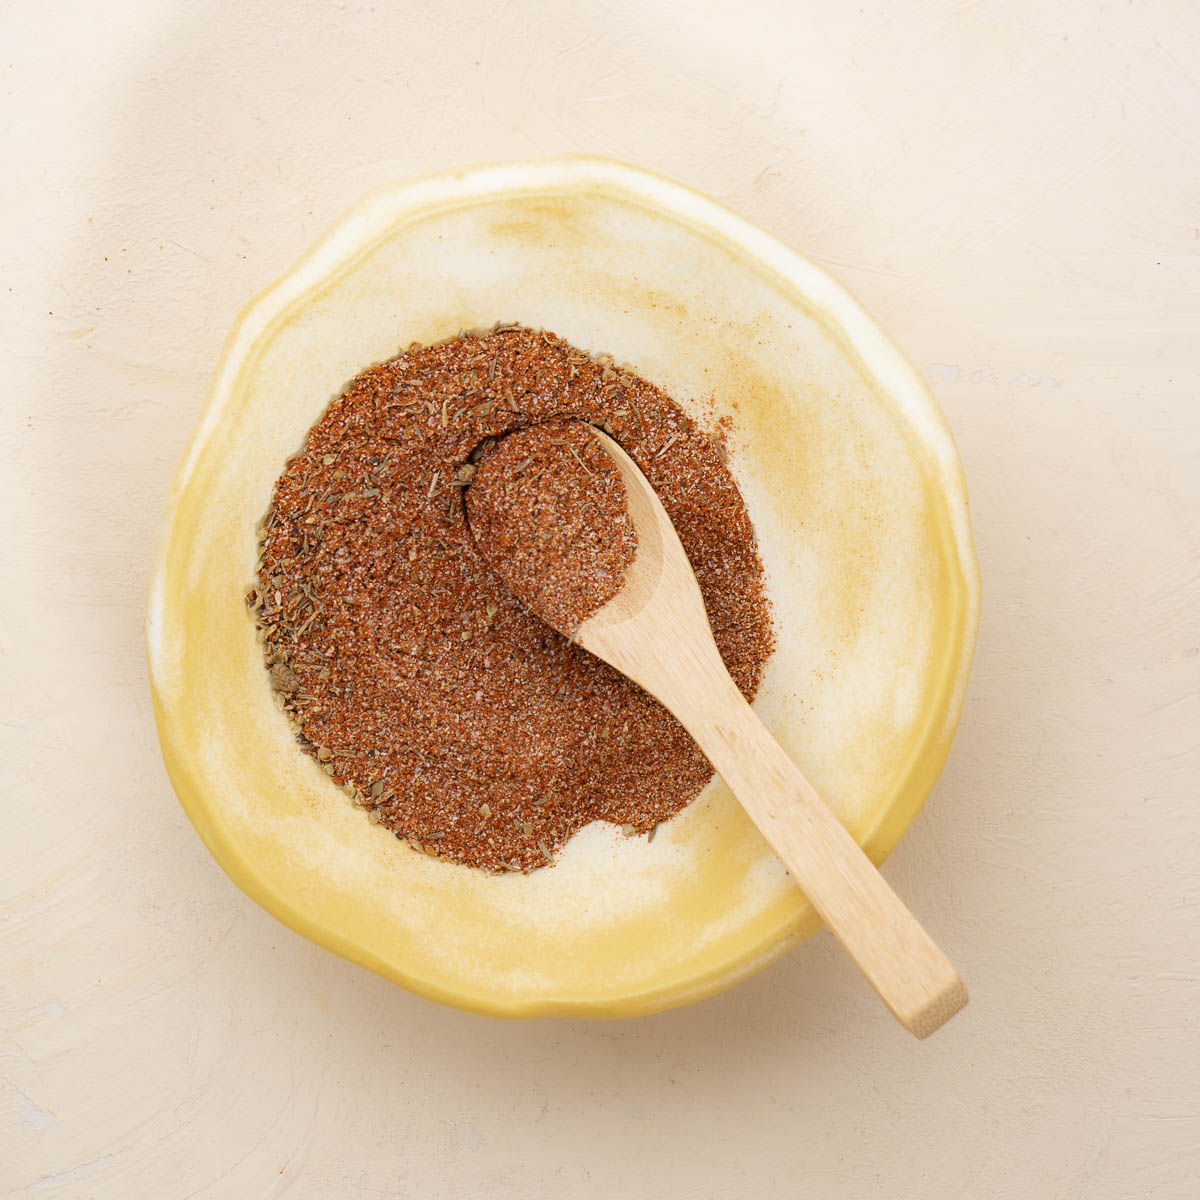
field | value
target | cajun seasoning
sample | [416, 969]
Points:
[548, 512]
[414, 677]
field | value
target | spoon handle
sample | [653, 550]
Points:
[900, 960]
[656, 632]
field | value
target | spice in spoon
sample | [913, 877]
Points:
[547, 510]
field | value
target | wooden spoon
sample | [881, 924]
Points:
[655, 631]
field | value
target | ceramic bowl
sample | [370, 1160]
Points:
[851, 478]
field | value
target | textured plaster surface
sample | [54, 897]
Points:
[1012, 189]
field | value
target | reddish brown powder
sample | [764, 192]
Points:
[426, 689]
[548, 512]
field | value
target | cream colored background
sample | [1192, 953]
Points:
[1014, 190]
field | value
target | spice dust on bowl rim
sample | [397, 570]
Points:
[848, 472]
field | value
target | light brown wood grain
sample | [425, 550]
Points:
[656, 631]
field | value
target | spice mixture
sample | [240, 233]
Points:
[424, 687]
[548, 512]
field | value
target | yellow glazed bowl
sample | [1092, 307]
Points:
[851, 478]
